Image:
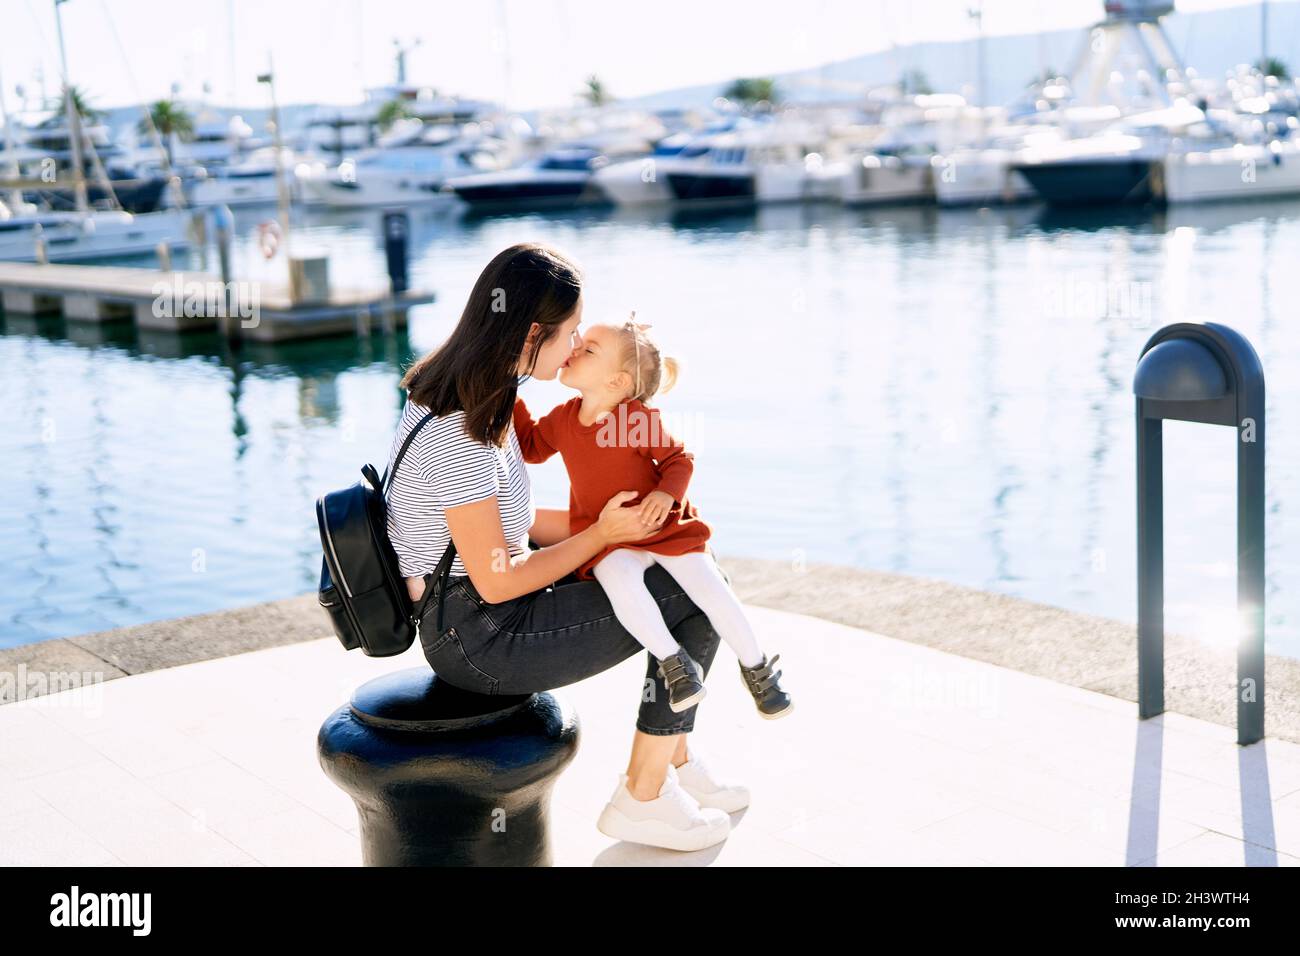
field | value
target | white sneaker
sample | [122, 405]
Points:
[672, 820]
[699, 781]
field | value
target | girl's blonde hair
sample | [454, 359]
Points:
[652, 373]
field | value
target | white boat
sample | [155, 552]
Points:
[559, 178]
[344, 130]
[27, 231]
[775, 161]
[410, 166]
[1239, 172]
[47, 149]
[87, 235]
[983, 173]
[899, 166]
[216, 142]
[250, 182]
[875, 178]
[1127, 161]
[244, 184]
[643, 179]
[795, 160]
[641, 182]
[979, 177]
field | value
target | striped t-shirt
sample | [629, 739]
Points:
[444, 468]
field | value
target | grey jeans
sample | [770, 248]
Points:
[557, 636]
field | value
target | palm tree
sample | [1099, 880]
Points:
[1272, 66]
[168, 118]
[751, 91]
[390, 113]
[81, 104]
[595, 93]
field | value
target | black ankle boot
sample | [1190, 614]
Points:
[762, 684]
[685, 680]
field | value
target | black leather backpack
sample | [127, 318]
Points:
[361, 584]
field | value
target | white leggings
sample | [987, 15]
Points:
[622, 574]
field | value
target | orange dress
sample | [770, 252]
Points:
[629, 450]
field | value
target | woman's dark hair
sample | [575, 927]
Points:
[476, 369]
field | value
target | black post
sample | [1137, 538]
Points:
[223, 221]
[1250, 560]
[1201, 372]
[1151, 566]
[397, 229]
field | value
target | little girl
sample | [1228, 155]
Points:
[611, 442]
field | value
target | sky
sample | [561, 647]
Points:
[524, 53]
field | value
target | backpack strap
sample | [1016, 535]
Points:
[444, 566]
[439, 575]
[387, 480]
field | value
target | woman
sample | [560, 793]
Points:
[515, 619]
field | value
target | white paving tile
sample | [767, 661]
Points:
[1216, 849]
[848, 840]
[41, 836]
[895, 754]
[297, 837]
[139, 826]
[219, 794]
[1007, 839]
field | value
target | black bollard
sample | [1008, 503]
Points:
[446, 777]
[223, 227]
[1201, 372]
[397, 229]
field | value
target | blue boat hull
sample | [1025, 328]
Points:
[1087, 182]
[689, 187]
[530, 195]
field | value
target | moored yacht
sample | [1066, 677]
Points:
[984, 172]
[410, 165]
[1123, 163]
[643, 180]
[877, 178]
[91, 234]
[778, 160]
[48, 148]
[899, 165]
[724, 172]
[559, 178]
[1242, 171]
[1110, 167]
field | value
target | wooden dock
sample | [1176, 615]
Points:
[198, 301]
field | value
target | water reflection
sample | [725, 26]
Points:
[930, 391]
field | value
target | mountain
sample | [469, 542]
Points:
[1211, 41]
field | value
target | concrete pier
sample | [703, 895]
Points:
[178, 301]
[954, 759]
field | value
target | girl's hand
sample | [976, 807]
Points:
[618, 524]
[655, 508]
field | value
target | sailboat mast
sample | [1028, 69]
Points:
[73, 118]
[1263, 35]
[281, 186]
[15, 195]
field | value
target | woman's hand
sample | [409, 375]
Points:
[618, 524]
